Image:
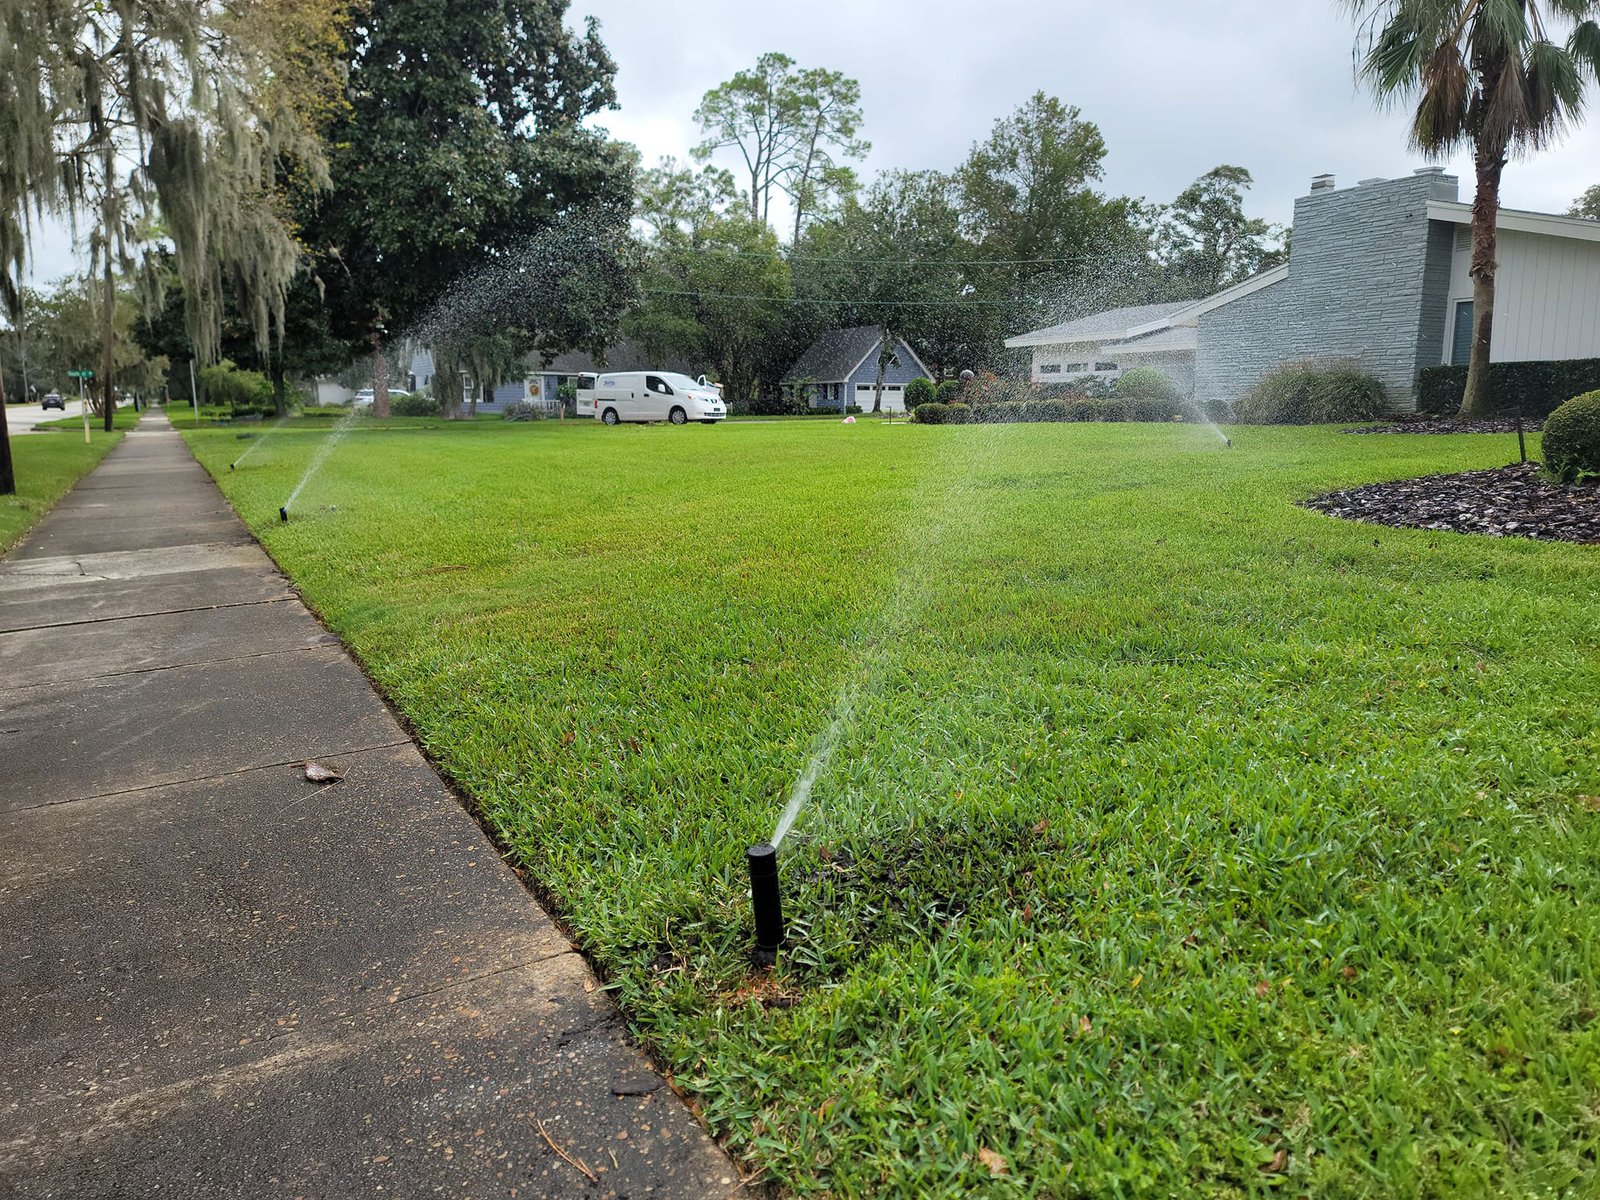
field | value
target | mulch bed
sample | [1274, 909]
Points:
[1451, 425]
[1515, 501]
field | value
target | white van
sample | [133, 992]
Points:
[653, 396]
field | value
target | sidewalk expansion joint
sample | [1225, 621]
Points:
[177, 666]
[168, 783]
[160, 612]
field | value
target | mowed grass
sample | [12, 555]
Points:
[47, 465]
[1175, 840]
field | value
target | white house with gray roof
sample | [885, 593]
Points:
[1377, 276]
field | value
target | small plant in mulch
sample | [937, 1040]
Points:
[1514, 501]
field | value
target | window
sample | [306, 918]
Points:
[657, 385]
[1077, 368]
[1049, 368]
[1461, 334]
[1105, 366]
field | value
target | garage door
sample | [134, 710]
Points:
[894, 398]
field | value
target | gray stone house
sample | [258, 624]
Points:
[1377, 276]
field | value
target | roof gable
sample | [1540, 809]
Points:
[1111, 324]
[834, 355]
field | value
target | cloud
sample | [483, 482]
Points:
[1176, 86]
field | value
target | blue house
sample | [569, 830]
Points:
[841, 368]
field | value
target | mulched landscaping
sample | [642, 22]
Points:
[1514, 501]
[1451, 425]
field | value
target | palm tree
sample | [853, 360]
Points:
[1489, 74]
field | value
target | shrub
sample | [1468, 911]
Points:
[941, 414]
[413, 405]
[1308, 394]
[1217, 410]
[1148, 385]
[1536, 389]
[920, 391]
[246, 393]
[522, 410]
[1149, 408]
[1572, 438]
[948, 392]
[989, 388]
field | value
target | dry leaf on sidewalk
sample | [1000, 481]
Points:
[322, 773]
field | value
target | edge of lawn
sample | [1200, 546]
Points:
[41, 484]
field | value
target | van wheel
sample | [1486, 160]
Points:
[610, 417]
[677, 416]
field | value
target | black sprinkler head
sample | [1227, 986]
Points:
[230, 466]
[766, 902]
[283, 515]
[1227, 441]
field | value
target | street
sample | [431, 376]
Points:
[21, 418]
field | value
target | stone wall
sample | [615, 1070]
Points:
[1368, 277]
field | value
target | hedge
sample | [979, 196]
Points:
[1535, 388]
[1571, 442]
[1311, 393]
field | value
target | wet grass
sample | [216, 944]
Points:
[47, 465]
[1178, 840]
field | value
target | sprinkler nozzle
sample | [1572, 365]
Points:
[765, 902]
[231, 466]
[283, 515]
[1227, 441]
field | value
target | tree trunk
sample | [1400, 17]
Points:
[883, 362]
[8, 474]
[1476, 400]
[108, 347]
[380, 379]
[280, 399]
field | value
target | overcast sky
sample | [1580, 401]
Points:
[1176, 86]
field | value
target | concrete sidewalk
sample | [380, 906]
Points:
[217, 979]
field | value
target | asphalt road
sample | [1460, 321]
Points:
[21, 418]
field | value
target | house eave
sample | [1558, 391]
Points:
[1519, 221]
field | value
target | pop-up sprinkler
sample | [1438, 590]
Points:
[283, 514]
[765, 901]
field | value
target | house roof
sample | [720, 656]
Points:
[834, 355]
[1520, 220]
[1166, 340]
[1190, 313]
[1111, 325]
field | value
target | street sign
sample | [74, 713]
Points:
[80, 374]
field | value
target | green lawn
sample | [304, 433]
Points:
[123, 418]
[1176, 840]
[47, 465]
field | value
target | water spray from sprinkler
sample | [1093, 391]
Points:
[765, 901]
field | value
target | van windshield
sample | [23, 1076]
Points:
[680, 382]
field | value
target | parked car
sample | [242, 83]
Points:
[363, 398]
[654, 396]
[53, 400]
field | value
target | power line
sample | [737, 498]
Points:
[846, 303]
[901, 262]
